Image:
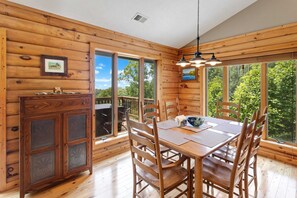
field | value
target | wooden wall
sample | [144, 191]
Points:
[279, 43]
[32, 33]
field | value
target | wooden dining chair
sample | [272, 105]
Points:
[150, 167]
[148, 111]
[172, 109]
[228, 111]
[224, 176]
[228, 155]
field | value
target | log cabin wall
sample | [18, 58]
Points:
[279, 43]
[31, 33]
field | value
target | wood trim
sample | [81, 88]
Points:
[92, 91]
[225, 84]
[141, 86]
[2, 109]
[264, 94]
[159, 88]
[115, 102]
[203, 99]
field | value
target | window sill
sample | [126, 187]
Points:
[284, 148]
[99, 144]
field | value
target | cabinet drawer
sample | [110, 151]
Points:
[40, 106]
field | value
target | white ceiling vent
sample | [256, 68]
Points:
[139, 17]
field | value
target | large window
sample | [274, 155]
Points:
[126, 86]
[214, 89]
[244, 88]
[149, 81]
[103, 94]
[282, 100]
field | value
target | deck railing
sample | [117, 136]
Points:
[126, 102]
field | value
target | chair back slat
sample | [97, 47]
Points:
[143, 139]
[172, 109]
[242, 150]
[145, 168]
[144, 155]
[149, 111]
[145, 149]
[258, 131]
[228, 111]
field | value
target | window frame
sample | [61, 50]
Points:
[123, 53]
[263, 85]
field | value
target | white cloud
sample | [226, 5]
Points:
[96, 72]
[110, 71]
[105, 85]
[99, 67]
[120, 72]
[103, 80]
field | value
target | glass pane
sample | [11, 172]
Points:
[128, 89]
[282, 100]
[42, 166]
[244, 88]
[76, 127]
[103, 90]
[77, 156]
[42, 133]
[214, 89]
[149, 82]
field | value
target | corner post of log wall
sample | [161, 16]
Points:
[2, 109]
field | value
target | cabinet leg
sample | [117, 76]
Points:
[91, 171]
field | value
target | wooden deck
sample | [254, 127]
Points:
[113, 178]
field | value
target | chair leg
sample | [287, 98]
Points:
[134, 186]
[189, 185]
[246, 182]
[240, 188]
[255, 175]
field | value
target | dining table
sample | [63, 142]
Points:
[198, 142]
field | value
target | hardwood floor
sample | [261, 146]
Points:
[113, 178]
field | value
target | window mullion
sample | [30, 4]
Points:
[115, 102]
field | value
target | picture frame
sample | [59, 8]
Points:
[54, 65]
[189, 74]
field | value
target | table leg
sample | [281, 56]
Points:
[198, 178]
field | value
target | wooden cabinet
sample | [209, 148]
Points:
[55, 139]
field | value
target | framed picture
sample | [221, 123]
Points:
[54, 65]
[189, 74]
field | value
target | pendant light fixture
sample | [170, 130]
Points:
[198, 60]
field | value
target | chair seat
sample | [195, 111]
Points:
[217, 172]
[172, 176]
[164, 149]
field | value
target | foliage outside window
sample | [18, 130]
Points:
[149, 81]
[282, 100]
[244, 88]
[214, 89]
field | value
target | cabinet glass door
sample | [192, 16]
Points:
[42, 152]
[76, 141]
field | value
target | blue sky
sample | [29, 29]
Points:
[103, 68]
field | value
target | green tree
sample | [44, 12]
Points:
[282, 100]
[247, 92]
[215, 89]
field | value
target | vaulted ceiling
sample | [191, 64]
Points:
[170, 22]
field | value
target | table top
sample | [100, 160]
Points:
[105, 106]
[196, 150]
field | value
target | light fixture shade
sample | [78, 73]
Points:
[197, 60]
[213, 61]
[182, 62]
